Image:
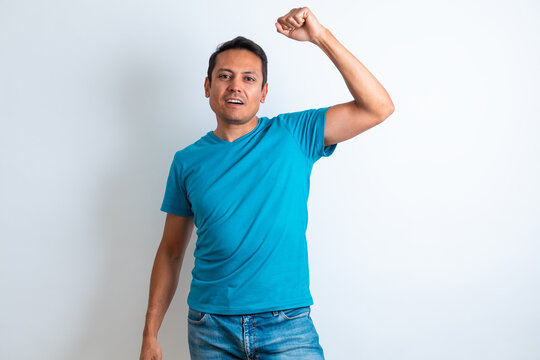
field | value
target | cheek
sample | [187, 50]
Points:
[255, 94]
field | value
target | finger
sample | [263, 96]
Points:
[301, 15]
[290, 19]
[294, 22]
[285, 20]
[299, 18]
[284, 24]
[281, 30]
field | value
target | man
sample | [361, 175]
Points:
[245, 185]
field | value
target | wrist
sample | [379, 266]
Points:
[321, 37]
[149, 336]
[149, 333]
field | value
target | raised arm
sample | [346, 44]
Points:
[164, 279]
[371, 104]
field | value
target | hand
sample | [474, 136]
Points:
[151, 350]
[300, 24]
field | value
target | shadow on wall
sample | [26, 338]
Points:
[130, 224]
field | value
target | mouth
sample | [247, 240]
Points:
[234, 102]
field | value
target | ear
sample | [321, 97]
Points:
[264, 92]
[206, 87]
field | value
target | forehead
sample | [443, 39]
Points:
[238, 60]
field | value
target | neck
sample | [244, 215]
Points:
[230, 131]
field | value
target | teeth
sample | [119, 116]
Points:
[234, 101]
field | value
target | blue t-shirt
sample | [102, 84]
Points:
[249, 202]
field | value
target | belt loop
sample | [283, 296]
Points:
[275, 313]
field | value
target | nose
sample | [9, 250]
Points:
[234, 85]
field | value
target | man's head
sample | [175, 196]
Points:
[236, 82]
[239, 42]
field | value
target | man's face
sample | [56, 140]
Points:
[237, 75]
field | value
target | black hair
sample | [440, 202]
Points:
[239, 42]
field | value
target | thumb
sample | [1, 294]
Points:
[281, 30]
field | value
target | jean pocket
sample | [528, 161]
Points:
[196, 317]
[295, 313]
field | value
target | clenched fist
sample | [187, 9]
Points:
[151, 350]
[300, 24]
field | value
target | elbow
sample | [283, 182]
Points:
[389, 107]
[389, 110]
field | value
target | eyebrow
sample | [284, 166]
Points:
[244, 72]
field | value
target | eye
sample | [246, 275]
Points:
[223, 75]
[250, 78]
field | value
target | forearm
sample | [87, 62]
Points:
[163, 284]
[367, 92]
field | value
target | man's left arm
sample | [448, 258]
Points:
[371, 104]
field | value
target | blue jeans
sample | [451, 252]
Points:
[276, 335]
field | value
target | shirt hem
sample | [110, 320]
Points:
[243, 311]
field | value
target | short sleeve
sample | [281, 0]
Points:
[307, 127]
[175, 200]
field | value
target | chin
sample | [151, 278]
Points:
[237, 118]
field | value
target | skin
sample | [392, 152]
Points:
[237, 73]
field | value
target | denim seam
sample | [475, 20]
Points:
[254, 339]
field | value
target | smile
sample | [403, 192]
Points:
[234, 101]
[234, 104]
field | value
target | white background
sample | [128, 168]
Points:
[423, 231]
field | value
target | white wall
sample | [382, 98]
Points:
[423, 232]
